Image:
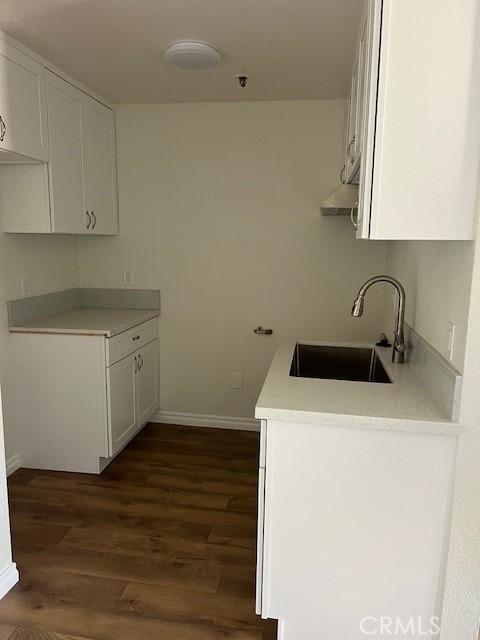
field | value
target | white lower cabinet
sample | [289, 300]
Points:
[77, 400]
[147, 386]
[122, 404]
[133, 394]
[352, 527]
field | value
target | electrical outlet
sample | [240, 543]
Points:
[25, 286]
[127, 276]
[451, 340]
[237, 380]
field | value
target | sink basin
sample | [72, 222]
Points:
[338, 363]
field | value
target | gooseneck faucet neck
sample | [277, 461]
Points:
[398, 354]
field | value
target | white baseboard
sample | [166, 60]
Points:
[204, 420]
[13, 463]
[8, 579]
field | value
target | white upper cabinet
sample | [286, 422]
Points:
[99, 166]
[420, 148]
[57, 169]
[67, 198]
[23, 123]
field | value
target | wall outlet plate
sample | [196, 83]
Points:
[127, 276]
[237, 380]
[25, 286]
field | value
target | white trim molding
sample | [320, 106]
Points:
[8, 579]
[13, 463]
[205, 420]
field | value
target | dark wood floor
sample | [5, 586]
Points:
[161, 546]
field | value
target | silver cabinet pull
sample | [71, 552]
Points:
[89, 219]
[354, 218]
[352, 141]
[3, 129]
[94, 220]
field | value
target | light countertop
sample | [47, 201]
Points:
[88, 321]
[404, 405]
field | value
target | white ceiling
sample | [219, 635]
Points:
[294, 49]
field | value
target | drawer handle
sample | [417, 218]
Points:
[3, 129]
[136, 337]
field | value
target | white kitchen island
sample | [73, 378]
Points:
[355, 491]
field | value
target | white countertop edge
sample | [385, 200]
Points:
[143, 316]
[360, 422]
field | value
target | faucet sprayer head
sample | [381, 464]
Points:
[357, 309]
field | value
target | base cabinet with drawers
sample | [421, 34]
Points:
[85, 396]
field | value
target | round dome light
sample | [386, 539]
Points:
[192, 55]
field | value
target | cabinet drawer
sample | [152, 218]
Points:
[129, 341]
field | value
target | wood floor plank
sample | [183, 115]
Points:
[198, 483]
[22, 633]
[129, 507]
[66, 589]
[161, 495]
[6, 631]
[202, 574]
[232, 536]
[131, 544]
[160, 546]
[181, 604]
[115, 626]
[57, 497]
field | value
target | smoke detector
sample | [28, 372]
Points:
[192, 55]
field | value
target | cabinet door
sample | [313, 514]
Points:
[23, 128]
[99, 165]
[148, 389]
[67, 202]
[122, 414]
[371, 55]
[352, 123]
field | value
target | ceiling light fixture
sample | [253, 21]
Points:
[192, 55]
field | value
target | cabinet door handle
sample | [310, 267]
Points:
[3, 129]
[352, 142]
[342, 175]
[141, 361]
[89, 219]
[135, 368]
[137, 337]
[354, 218]
[94, 220]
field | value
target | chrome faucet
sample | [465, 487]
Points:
[399, 348]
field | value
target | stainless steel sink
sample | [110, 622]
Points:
[338, 363]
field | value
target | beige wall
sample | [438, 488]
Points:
[437, 278]
[51, 264]
[219, 209]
